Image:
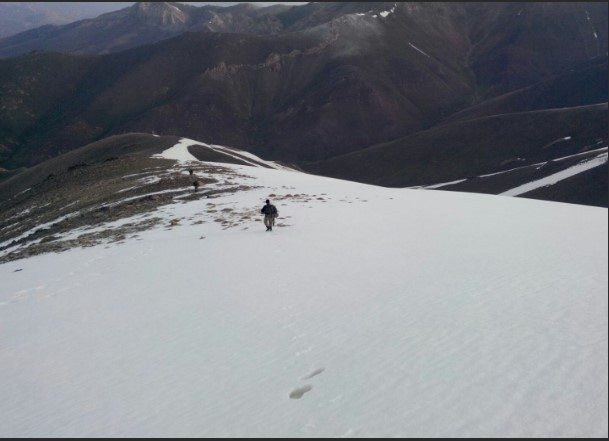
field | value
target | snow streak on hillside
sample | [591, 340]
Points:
[367, 312]
[583, 166]
[586, 163]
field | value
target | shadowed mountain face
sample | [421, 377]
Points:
[491, 155]
[323, 85]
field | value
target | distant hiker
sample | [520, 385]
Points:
[196, 184]
[270, 213]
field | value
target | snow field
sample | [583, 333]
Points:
[367, 312]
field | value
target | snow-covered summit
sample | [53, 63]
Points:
[367, 312]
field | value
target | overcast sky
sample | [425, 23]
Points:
[234, 3]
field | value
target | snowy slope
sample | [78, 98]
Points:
[367, 312]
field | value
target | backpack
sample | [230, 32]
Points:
[270, 210]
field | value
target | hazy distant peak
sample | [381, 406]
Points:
[161, 13]
[246, 7]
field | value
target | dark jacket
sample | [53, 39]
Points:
[269, 210]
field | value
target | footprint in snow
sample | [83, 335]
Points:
[297, 394]
[315, 373]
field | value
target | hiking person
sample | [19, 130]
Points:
[270, 213]
[195, 182]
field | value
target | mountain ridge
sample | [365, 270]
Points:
[348, 79]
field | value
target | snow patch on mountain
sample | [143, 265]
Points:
[385, 14]
[419, 50]
[180, 152]
[560, 176]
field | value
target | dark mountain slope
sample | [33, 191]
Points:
[515, 44]
[584, 187]
[293, 97]
[469, 149]
[106, 150]
[483, 80]
[581, 85]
